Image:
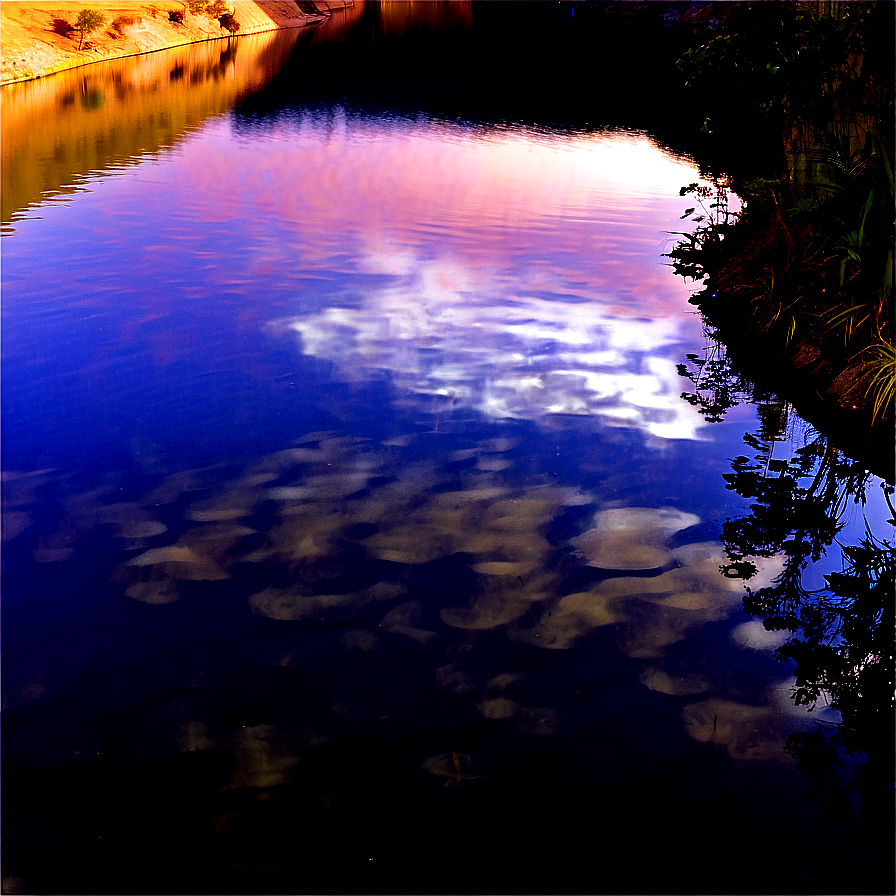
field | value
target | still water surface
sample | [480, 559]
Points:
[357, 537]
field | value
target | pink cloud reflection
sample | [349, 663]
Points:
[512, 271]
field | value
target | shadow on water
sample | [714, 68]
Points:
[491, 64]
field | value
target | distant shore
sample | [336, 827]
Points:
[39, 38]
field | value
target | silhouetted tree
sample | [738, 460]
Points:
[229, 22]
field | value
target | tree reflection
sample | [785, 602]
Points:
[718, 387]
[841, 635]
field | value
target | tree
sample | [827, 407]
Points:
[228, 22]
[88, 20]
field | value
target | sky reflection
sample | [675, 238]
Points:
[509, 272]
[347, 477]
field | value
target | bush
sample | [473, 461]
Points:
[197, 6]
[229, 22]
[177, 16]
[122, 22]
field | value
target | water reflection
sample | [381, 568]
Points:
[829, 608]
[94, 120]
[494, 310]
[844, 650]
[390, 534]
[484, 315]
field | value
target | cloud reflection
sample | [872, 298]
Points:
[523, 357]
[651, 612]
[350, 532]
[746, 732]
[510, 271]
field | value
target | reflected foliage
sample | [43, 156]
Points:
[807, 266]
[839, 636]
[483, 64]
[717, 386]
[842, 634]
[808, 262]
[59, 132]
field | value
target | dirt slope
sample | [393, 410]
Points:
[35, 39]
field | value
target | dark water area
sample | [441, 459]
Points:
[487, 63]
[357, 536]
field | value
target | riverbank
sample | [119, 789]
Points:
[39, 39]
[799, 285]
[824, 384]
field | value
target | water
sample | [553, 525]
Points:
[357, 537]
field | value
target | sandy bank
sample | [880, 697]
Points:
[35, 39]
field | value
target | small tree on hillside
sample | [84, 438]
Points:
[228, 22]
[88, 20]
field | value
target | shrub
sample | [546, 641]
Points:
[122, 22]
[177, 16]
[229, 22]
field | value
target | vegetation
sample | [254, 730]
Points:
[809, 261]
[229, 23]
[122, 22]
[87, 22]
[217, 9]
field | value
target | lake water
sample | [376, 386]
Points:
[357, 537]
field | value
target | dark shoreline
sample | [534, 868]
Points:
[802, 132]
[825, 391]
